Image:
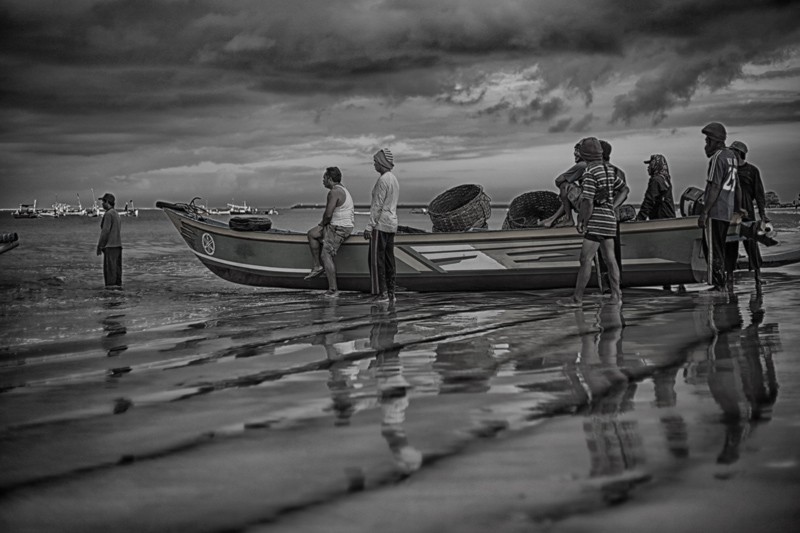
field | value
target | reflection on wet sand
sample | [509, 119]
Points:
[737, 368]
[741, 374]
[392, 389]
[613, 440]
[386, 372]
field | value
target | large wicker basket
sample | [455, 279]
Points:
[528, 209]
[460, 208]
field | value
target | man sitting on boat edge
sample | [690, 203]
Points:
[338, 221]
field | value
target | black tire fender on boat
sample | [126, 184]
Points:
[250, 223]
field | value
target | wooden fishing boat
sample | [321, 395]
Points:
[653, 253]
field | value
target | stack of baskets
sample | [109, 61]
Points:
[528, 209]
[460, 208]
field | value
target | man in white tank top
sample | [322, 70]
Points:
[337, 224]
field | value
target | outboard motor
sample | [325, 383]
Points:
[691, 202]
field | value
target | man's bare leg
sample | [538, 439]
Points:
[607, 250]
[588, 251]
[330, 273]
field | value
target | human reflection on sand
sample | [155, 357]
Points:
[613, 439]
[113, 330]
[740, 371]
[384, 372]
[392, 389]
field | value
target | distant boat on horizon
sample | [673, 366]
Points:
[243, 209]
[26, 211]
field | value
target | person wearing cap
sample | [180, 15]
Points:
[658, 202]
[110, 243]
[751, 189]
[603, 192]
[338, 221]
[381, 228]
[719, 200]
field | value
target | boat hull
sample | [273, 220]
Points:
[653, 253]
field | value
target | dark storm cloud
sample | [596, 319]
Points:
[86, 58]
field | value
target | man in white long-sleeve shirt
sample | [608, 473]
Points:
[382, 227]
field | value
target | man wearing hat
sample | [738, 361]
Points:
[110, 243]
[751, 189]
[382, 227]
[603, 192]
[718, 201]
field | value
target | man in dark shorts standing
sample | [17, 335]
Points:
[603, 192]
[337, 224]
[110, 243]
[718, 202]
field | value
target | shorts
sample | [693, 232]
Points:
[333, 237]
[595, 238]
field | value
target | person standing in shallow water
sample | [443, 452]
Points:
[110, 243]
[658, 202]
[382, 226]
[718, 201]
[603, 192]
[751, 189]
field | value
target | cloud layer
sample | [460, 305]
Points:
[102, 79]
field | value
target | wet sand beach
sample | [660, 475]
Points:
[186, 403]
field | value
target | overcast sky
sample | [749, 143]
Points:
[251, 100]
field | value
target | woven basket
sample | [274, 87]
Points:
[526, 210]
[460, 208]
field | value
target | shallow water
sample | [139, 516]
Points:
[185, 402]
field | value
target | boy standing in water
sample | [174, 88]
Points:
[110, 243]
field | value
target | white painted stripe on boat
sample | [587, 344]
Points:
[430, 248]
[252, 267]
[405, 257]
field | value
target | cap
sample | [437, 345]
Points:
[715, 131]
[109, 198]
[739, 146]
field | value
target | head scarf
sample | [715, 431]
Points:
[606, 150]
[384, 158]
[657, 166]
[590, 149]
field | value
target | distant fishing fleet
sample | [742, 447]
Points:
[62, 209]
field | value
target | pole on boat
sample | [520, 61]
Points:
[710, 259]
[598, 272]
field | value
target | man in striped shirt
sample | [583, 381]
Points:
[603, 191]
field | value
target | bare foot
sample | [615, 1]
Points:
[570, 302]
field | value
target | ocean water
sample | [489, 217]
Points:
[187, 403]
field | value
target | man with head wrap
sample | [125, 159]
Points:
[382, 226]
[603, 192]
[718, 201]
[751, 189]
